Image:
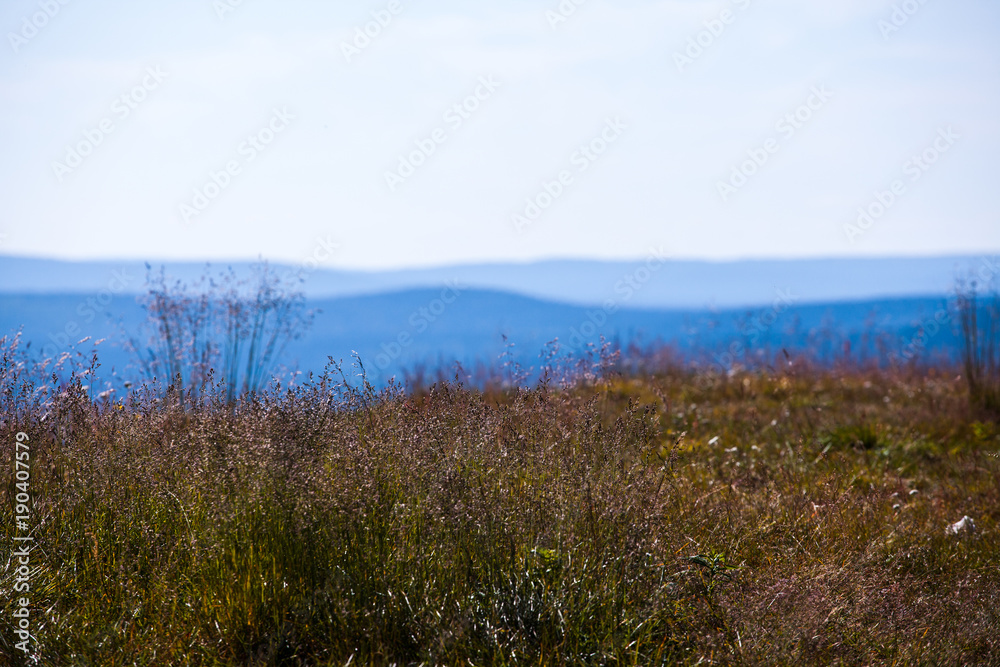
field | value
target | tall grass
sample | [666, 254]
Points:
[221, 327]
[789, 517]
[979, 318]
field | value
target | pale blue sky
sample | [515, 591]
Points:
[680, 131]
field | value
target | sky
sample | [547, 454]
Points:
[392, 133]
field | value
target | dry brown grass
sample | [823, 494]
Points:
[547, 526]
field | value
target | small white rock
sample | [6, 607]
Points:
[962, 525]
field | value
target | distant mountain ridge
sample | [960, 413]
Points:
[644, 284]
[433, 328]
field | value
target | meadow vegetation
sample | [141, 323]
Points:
[635, 514]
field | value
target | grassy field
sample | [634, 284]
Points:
[794, 517]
